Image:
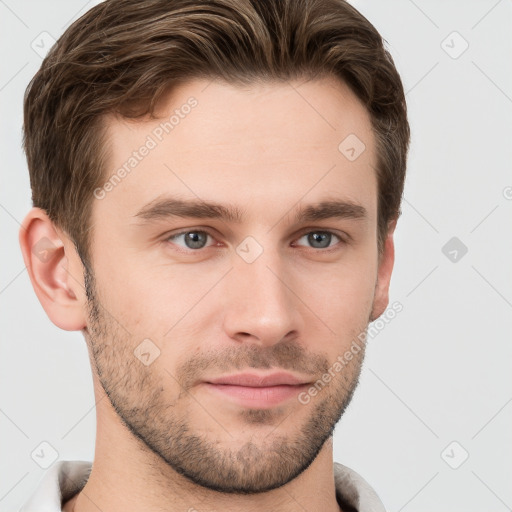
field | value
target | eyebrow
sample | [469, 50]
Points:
[168, 207]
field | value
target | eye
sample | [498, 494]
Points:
[320, 239]
[193, 239]
[196, 240]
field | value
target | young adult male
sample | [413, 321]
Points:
[216, 187]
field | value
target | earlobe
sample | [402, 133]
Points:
[54, 270]
[385, 268]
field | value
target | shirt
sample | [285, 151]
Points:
[68, 477]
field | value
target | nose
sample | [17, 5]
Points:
[260, 306]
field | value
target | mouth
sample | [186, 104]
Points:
[257, 391]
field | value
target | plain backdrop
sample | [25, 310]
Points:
[430, 424]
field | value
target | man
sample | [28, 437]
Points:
[216, 187]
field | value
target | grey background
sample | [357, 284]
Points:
[439, 372]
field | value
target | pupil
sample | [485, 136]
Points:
[320, 238]
[195, 239]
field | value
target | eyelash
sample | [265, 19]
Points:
[342, 240]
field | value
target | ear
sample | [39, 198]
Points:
[55, 270]
[386, 262]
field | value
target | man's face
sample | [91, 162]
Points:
[178, 301]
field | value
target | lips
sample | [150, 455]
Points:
[250, 390]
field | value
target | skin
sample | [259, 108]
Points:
[165, 441]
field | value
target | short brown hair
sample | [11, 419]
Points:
[122, 56]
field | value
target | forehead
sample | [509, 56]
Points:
[264, 144]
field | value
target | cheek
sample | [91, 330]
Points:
[354, 268]
[130, 297]
[340, 295]
[158, 301]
